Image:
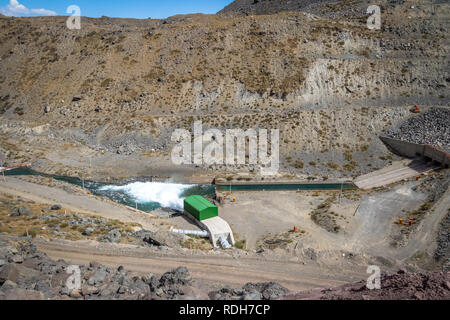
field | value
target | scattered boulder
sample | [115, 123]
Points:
[268, 290]
[88, 231]
[56, 207]
[21, 211]
[114, 236]
[39, 277]
[171, 284]
[98, 277]
[179, 275]
[251, 291]
[22, 294]
[9, 272]
[14, 213]
[110, 290]
[252, 295]
[8, 285]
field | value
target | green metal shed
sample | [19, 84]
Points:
[200, 208]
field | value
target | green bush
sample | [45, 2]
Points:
[240, 244]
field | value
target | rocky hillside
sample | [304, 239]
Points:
[121, 86]
[347, 8]
[400, 286]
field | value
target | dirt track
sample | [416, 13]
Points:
[209, 270]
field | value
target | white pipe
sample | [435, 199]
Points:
[202, 233]
[224, 243]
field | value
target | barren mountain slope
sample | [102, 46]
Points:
[349, 8]
[121, 86]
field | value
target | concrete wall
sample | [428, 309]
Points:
[414, 150]
[438, 155]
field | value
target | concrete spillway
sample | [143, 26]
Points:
[396, 172]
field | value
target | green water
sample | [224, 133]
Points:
[301, 186]
[121, 195]
[132, 196]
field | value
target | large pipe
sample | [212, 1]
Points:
[224, 243]
[202, 233]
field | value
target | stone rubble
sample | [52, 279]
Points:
[431, 127]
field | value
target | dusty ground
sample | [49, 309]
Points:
[367, 220]
[101, 103]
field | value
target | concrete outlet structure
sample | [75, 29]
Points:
[206, 215]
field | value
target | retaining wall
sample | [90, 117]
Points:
[414, 150]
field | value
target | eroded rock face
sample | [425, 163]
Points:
[27, 274]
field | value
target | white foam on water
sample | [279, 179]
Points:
[166, 194]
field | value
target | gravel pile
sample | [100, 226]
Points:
[431, 127]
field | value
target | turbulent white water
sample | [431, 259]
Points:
[166, 194]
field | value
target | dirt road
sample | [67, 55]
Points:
[212, 271]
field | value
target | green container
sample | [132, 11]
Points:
[200, 208]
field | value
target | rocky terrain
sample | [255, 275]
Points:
[251, 291]
[442, 252]
[28, 274]
[400, 286]
[431, 127]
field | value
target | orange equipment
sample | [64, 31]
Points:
[415, 109]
